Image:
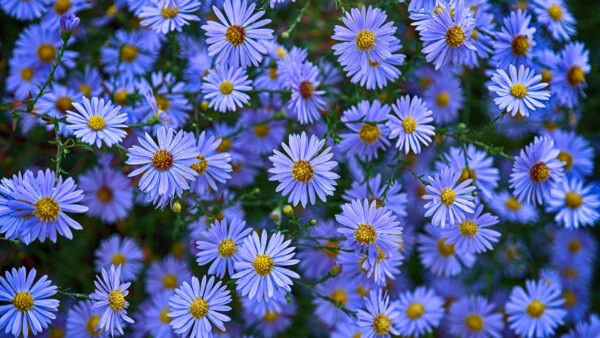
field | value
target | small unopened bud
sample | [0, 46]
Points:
[176, 207]
[288, 210]
[312, 222]
[68, 23]
[285, 35]
[335, 270]
[204, 105]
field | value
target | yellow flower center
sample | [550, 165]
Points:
[474, 322]
[409, 125]
[169, 281]
[129, 53]
[365, 40]
[92, 324]
[512, 204]
[121, 96]
[261, 130]
[162, 160]
[104, 194]
[361, 290]
[518, 90]
[443, 99]
[116, 300]
[226, 87]
[546, 76]
[199, 308]
[474, 34]
[85, 90]
[415, 310]
[270, 317]
[570, 298]
[263, 265]
[201, 166]
[520, 45]
[566, 157]
[575, 76]
[162, 102]
[339, 296]
[369, 133]
[469, 228]
[535, 309]
[574, 245]
[96, 123]
[466, 174]
[169, 13]
[365, 234]
[46, 52]
[164, 318]
[281, 53]
[448, 196]
[332, 252]
[539, 172]
[227, 248]
[62, 6]
[444, 249]
[273, 73]
[302, 171]
[23, 301]
[570, 273]
[235, 35]
[555, 12]
[27, 74]
[63, 103]
[224, 146]
[455, 36]
[573, 200]
[56, 332]
[381, 324]
[118, 259]
[306, 89]
[47, 209]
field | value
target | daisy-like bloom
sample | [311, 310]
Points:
[44, 205]
[166, 167]
[156, 318]
[481, 34]
[317, 262]
[96, 122]
[166, 275]
[220, 244]
[411, 124]
[273, 321]
[306, 99]
[378, 74]
[261, 265]
[535, 311]
[380, 317]
[374, 189]
[343, 292]
[109, 299]
[510, 209]
[574, 204]
[127, 55]
[238, 38]
[24, 79]
[589, 328]
[60, 8]
[575, 151]
[82, 321]
[225, 88]
[554, 15]
[369, 135]
[569, 73]
[304, 171]
[266, 132]
[439, 256]
[124, 253]
[421, 5]
[165, 16]
[107, 193]
[345, 329]
[444, 97]
[536, 171]
[213, 167]
[24, 10]
[514, 43]
[573, 245]
[11, 225]
[419, 311]
[519, 92]
[196, 307]
[166, 100]
[473, 235]
[449, 199]
[474, 317]
[446, 35]
[370, 229]
[56, 104]
[366, 38]
[26, 306]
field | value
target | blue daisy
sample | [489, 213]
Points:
[213, 167]
[374, 189]
[220, 244]
[225, 88]
[510, 209]
[264, 133]
[88, 82]
[444, 96]
[574, 204]
[82, 321]
[419, 311]
[108, 193]
[97, 122]
[368, 131]
[536, 170]
[411, 124]
[589, 328]
[306, 99]
[245, 169]
[156, 317]
[238, 38]
[569, 73]
[58, 8]
[421, 5]
[124, 253]
[481, 35]
[168, 15]
[56, 104]
[474, 234]
[380, 316]
[449, 199]
[166, 275]
[167, 96]
[260, 269]
[554, 15]
[573, 245]
[305, 170]
[474, 316]
[575, 151]
[30, 308]
[514, 42]
[378, 74]
[24, 78]
[272, 322]
[127, 55]
[439, 256]
[316, 262]
[24, 10]
[109, 299]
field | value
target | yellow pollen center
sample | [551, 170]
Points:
[261, 130]
[235, 35]
[118, 259]
[199, 308]
[512, 204]
[539, 172]
[227, 248]
[518, 90]
[570, 273]
[224, 146]
[415, 310]
[448, 196]
[575, 76]
[535, 309]
[273, 73]
[92, 324]
[365, 234]
[162, 160]
[474, 34]
[263, 265]
[85, 90]
[226, 87]
[381, 324]
[574, 246]
[129, 53]
[361, 290]
[566, 157]
[27, 74]
[469, 228]
[365, 40]
[442, 99]
[169, 13]
[570, 298]
[164, 318]
[281, 53]
[116, 300]
[169, 281]
[121, 96]
[466, 174]
[61, 6]
[409, 125]
[546, 76]
[520, 45]
[63, 103]
[162, 103]
[23, 301]
[270, 317]
[306, 89]
[302, 171]
[369, 133]
[96, 123]
[339, 296]
[201, 166]
[104, 194]
[332, 252]
[474, 322]
[555, 12]
[444, 249]
[56, 332]
[47, 209]
[573, 200]
[455, 36]
[46, 52]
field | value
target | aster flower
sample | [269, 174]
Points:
[474, 317]
[410, 124]
[124, 253]
[343, 292]
[68, 23]
[536, 310]
[107, 193]
[165, 16]
[575, 151]
[82, 321]
[449, 199]
[219, 245]
[444, 96]
[30, 308]
[574, 204]
[166, 275]
[439, 256]
[225, 88]
[573, 245]
[345, 329]
[24, 79]
[421, 5]
[519, 92]
[568, 81]
[315, 262]
[24, 10]
[88, 82]
[303, 172]
[380, 317]
[375, 189]
[273, 321]
[213, 167]
[306, 100]
[473, 235]
[536, 170]
[509, 208]
[481, 34]
[366, 38]
[378, 74]
[56, 104]
[369, 135]
[266, 132]
[260, 269]
[59, 8]
[237, 39]
[109, 299]
[166, 100]
[589, 328]
[554, 15]
[419, 311]
[96, 122]
[514, 43]
[127, 55]
[156, 317]
[166, 167]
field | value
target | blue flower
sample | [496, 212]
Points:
[378, 74]
[575, 151]
[305, 170]
[107, 193]
[444, 97]
[220, 244]
[225, 88]
[213, 167]
[82, 321]
[24, 10]
[306, 100]
[58, 8]
[167, 99]
[69, 22]
[166, 275]
[265, 131]
[574, 204]
[374, 189]
[473, 235]
[237, 39]
[273, 321]
[24, 79]
[30, 308]
[97, 122]
[573, 245]
[449, 199]
[589, 328]
[519, 92]
[419, 311]
[421, 5]
[109, 299]
[481, 35]
[380, 317]
[439, 256]
[56, 104]
[514, 43]
[554, 15]
[156, 317]
[536, 170]
[168, 15]
[474, 316]
[316, 262]
[510, 209]
[11, 225]
[569, 73]
[195, 307]
[535, 311]
[368, 132]
[260, 270]
[88, 82]
[124, 253]
[411, 124]
[127, 55]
